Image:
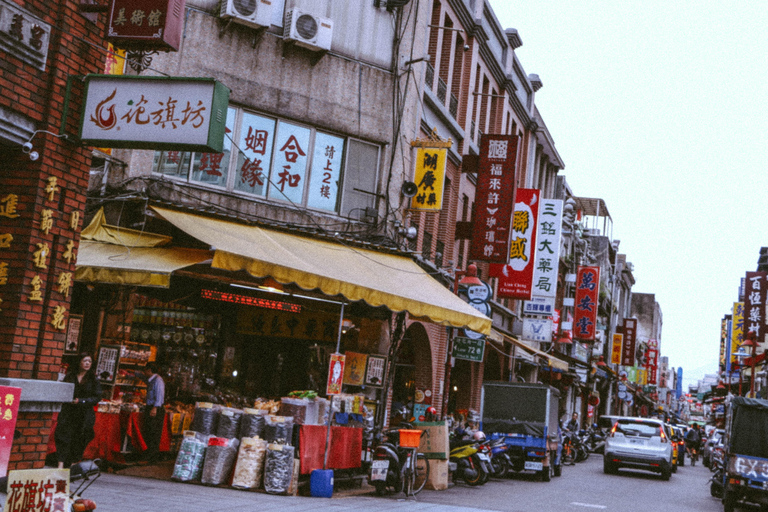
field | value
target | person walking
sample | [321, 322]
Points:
[74, 426]
[154, 412]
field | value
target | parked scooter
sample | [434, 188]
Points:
[500, 462]
[467, 461]
[595, 439]
[389, 458]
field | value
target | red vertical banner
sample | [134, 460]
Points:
[755, 290]
[493, 198]
[9, 411]
[335, 374]
[629, 328]
[516, 277]
[652, 361]
[587, 292]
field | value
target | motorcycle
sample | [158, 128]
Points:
[389, 459]
[580, 444]
[500, 461]
[468, 461]
[595, 439]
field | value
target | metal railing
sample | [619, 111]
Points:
[430, 76]
[453, 106]
[442, 89]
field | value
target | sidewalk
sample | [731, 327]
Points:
[122, 493]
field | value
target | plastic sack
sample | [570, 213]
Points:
[279, 429]
[278, 468]
[220, 456]
[205, 418]
[229, 423]
[252, 423]
[189, 461]
[250, 463]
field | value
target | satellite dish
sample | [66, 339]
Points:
[409, 189]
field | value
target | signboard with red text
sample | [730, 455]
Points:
[9, 411]
[585, 306]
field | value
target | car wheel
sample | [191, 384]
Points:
[609, 468]
[666, 474]
[729, 501]
[674, 468]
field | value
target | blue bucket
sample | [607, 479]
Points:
[321, 483]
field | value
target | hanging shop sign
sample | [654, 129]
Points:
[618, 340]
[468, 349]
[23, 35]
[335, 374]
[38, 489]
[537, 329]
[429, 177]
[516, 277]
[756, 288]
[587, 292]
[737, 329]
[478, 297]
[652, 361]
[374, 370]
[146, 24]
[493, 208]
[539, 306]
[147, 112]
[9, 411]
[629, 328]
[547, 259]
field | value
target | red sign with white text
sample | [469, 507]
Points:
[629, 330]
[516, 277]
[587, 292]
[9, 411]
[493, 205]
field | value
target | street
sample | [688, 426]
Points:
[582, 487]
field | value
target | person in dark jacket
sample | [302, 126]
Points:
[74, 427]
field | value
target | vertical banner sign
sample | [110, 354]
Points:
[429, 177]
[629, 327]
[335, 375]
[9, 410]
[587, 290]
[756, 285]
[516, 277]
[723, 338]
[547, 248]
[493, 205]
[652, 361]
[618, 340]
[737, 329]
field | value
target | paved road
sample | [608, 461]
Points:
[582, 488]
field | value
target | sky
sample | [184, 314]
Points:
[660, 109]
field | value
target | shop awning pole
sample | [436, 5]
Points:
[330, 414]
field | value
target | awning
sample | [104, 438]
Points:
[99, 262]
[99, 231]
[377, 278]
[551, 360]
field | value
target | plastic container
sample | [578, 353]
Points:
[409, 438]
[321, 483]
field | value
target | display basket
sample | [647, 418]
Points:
[409, 438]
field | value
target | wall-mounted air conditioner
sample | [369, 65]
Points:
[308, 30]
[254, 13]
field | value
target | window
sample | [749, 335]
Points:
[284, 162]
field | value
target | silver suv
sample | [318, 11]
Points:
[638, 443]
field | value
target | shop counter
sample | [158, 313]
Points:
[114, 432]
[344, 450]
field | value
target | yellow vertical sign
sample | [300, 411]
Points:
[618, 340]
[737, 329]
[429, 177]
[115, 63]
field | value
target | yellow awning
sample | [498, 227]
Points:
[138, 266]
[377, 278]
[551, 360]
[99, 231]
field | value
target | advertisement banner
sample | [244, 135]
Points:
[38, 489]
[150, 112]
[547, 256]
[629, 328]
[493, 205]
[756, 286]
[737, 329]
[516, 277]
[335, 374]
[9, 411]
[652, 361]
[723, 338]
[587, 293]
[618, 340]
[429, 177]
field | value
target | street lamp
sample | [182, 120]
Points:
[751, 342]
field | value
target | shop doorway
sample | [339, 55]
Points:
[412, 383]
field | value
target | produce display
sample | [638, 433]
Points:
[279, 429]
[250, 463]
[229, 423]
[206, 418]
[189, 461]
[252, 423]
[278, 469]
[220, 456]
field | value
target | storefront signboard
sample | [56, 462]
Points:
[537, 329]
[9, 411]
[547, 258]
[468, 348]
[587, 290]
[629, 329]
[146, 24]
[335, 374]
[737, 329]
[539, 306]
[148, 112]
[756, 289]
[429, 177]
[374, 370]
[618, 340]
[354, 368]
[38, 489]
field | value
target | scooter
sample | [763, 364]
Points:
[595, 439]
[467, 462]
[388, 461]
[500, 462]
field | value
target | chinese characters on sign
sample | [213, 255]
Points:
[374, 370]
[335, 374]
[146, 24]
[43, 490]
[547, 248]
[629, 328]
[537, 329]
[756, 288]
[23, 35]
[9, 410]
[429, 177]
[468, 349]
[290, 163]
[516, 277]
[652, 361]
[737, 330]
[585, 304]
[493, 205]
[618, 340]
[324, 180]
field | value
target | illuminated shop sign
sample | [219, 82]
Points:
[245, 300]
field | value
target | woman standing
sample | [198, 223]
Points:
[74, 428]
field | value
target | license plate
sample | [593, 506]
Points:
[637, 441]
[379, 469]
[484, 457]
[534, 466]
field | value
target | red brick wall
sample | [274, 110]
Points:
[28, 451]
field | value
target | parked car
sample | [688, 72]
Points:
[708, 444]
[638, 443]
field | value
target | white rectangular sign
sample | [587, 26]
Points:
[539, 306]
[547, 248]
[536, 329]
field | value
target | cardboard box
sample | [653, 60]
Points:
[434, 441]
[438, 475]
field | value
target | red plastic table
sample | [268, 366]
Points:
[344, 450]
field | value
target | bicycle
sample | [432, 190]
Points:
[415, 471]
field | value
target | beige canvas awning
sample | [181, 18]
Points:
[378, 278]
[553, 361]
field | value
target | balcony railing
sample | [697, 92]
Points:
[453, 107]
[430, 76]
[472, 131]
[442, 89]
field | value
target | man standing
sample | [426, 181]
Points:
[154, 412]
[573, 425]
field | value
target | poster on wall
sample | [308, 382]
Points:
[72, 343]
[335, 374]
[374, 370]
[106, 365]
[354, 368]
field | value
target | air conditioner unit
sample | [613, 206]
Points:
[254, 13]
[308, 30]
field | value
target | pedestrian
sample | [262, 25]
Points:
[573, 425]
[154, 412]
[74, 426]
